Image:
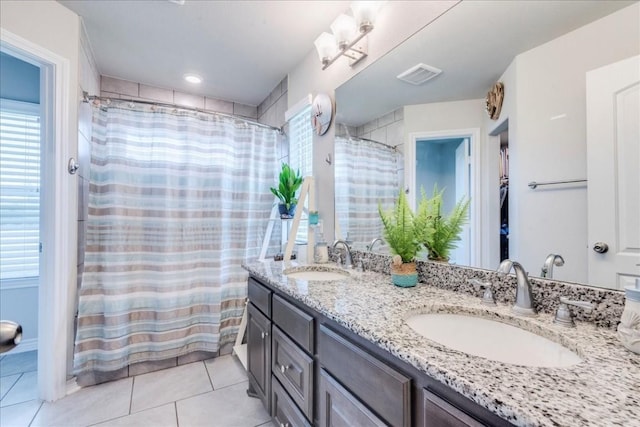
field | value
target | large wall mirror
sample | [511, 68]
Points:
[556, 60]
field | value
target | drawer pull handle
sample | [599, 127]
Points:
[284, 368]
[264, 334]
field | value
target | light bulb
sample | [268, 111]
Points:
[344, 30]
[326, 47]
[365, 13]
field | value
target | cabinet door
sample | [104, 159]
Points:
[285, 413]
[294, 368]
[339, 408]
[259, 354]
[439, 413]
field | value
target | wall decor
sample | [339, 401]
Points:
[494, 100]
[321, 113]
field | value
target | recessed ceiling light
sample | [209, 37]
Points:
[192, 78]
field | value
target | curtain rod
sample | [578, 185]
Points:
[86, 98]
[392, 147]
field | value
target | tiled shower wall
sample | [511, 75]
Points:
[116, 88]
[388, 129]
[271, 111]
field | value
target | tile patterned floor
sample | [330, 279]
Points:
[208, 393]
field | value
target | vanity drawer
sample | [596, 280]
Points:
[260, 296]
[383, 389]
[438, 412]
[283, 410]
[297, 324]
[294, 368]
[338, 407]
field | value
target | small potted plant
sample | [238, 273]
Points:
[400, 234]
[437, 232]
[288, 184]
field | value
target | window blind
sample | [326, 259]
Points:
[301, 156]
[19, 190]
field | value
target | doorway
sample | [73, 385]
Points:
[20, 159]
[448, 160]
[56, 236]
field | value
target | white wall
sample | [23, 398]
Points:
[53, 27]
[397, 21]
[546, 82]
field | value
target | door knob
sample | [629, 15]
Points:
[601, 247]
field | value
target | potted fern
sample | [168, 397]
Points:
[288, 184]
[437, 232]
[400, 233]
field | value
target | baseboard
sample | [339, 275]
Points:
[24, 346]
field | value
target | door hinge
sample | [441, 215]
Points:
[40, 247]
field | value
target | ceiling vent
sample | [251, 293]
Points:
[419, 74]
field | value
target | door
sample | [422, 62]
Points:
[259, 354]
[462, 254]
[613, 155]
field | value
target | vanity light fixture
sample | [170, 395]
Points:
[348, 34]
[192, 78]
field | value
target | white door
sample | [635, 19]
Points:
[613, 162]
[462, 254]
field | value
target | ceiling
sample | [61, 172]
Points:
[473, 43]
[241, 49]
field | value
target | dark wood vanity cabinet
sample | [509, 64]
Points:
[259, 354]
[308, 370]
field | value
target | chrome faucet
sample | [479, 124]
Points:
[348, 260]
[373, 242]
[547, 268]
[524, 298]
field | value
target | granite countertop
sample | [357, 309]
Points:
[603, 390]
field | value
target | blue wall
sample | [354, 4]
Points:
[436, 164]
[19, 80]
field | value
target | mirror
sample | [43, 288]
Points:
[541, 52]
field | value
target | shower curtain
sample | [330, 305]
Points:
[366, 173]
[178, 200]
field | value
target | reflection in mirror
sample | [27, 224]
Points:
[544, 53]
[444, 164]
[366, 174]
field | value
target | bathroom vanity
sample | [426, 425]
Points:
[339, 352]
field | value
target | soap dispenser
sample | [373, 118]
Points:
[321, 252]
[629, 327]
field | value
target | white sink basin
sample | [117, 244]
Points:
[492, 340]
[316, 273]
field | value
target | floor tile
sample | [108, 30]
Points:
[24, 390]
[162, 416]
[229, 407]
[19, 415]
[6, 383]
[88, 406]
[157, 388]
[13, 364]
[225, 371]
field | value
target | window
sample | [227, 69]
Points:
[19, 191]
[301, 156]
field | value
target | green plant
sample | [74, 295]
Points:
[437, 232]
[289, 183]
[399, 229]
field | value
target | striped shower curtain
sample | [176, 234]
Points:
[177, 201]
[366, 173]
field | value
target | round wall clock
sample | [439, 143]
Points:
[494, 100]
[321, 113]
